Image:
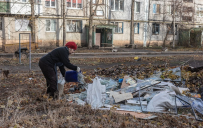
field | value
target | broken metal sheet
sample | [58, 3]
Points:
[135, 102]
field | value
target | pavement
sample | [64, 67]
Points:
[114, 54]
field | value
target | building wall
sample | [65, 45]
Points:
[45, 38]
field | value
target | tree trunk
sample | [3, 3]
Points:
[164, 43]
[32, 21]
[64, 23]
[132, 23]
[90, 26]
[174, 31]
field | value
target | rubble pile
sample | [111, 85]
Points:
[143, 88]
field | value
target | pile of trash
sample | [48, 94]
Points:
[155, 93]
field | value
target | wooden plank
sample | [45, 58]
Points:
[136, 114]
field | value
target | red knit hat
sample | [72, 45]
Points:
[71, 45]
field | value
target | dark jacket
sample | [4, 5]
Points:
[59, 55]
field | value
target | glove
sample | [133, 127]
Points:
[78, 69]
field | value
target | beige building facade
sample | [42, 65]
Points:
[152, 20]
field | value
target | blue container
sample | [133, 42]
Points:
[71, 76]
[120, 80]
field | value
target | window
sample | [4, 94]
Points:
[136, 28]
[189, 1]
[119, 28]
[37, 1]
[187, 9]
[4, 7]
[155, 29]
[50, 3]
[156, 8]
[24, 0]
[200, 11]
[117, 5]
[170, 28]
[74, 26]
[186, 18]
[137, 7]
[74, 3]
[50, 25]
[98, 1]
[99, 13]
[22, 25]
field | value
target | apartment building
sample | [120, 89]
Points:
[111, 22]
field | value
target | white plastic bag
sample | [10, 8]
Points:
[61, 82]
[96, 94]
[162, 102]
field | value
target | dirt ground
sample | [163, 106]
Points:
[24, 102]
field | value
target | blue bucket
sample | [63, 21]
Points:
[71, 76]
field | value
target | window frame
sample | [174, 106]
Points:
[95, 14]
[72, 5]
[98, 4]
[118, 27]
[114, 8]
[50, 25]
[138, 28]
[50, 4]
[198, 13]
[156, 9]
[27, 30]
[155, 28]
[80, 31]
[136, 6]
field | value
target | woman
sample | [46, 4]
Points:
[49, 62]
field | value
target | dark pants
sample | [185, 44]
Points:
[50, 75]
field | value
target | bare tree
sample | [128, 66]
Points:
[132, 23]
[33, 21]
[92, 13]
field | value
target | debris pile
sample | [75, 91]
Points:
[144, 88]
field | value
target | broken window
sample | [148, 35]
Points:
[50, 25]
[98, 1]
[137, 7]
[74, 3]
[200, 12]
[136, 28]
[22, 25]
[117, 5]
[50, 3]
[170, 28]
[119, 27]
[155, 29]
[74, 26]
[156, 8]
